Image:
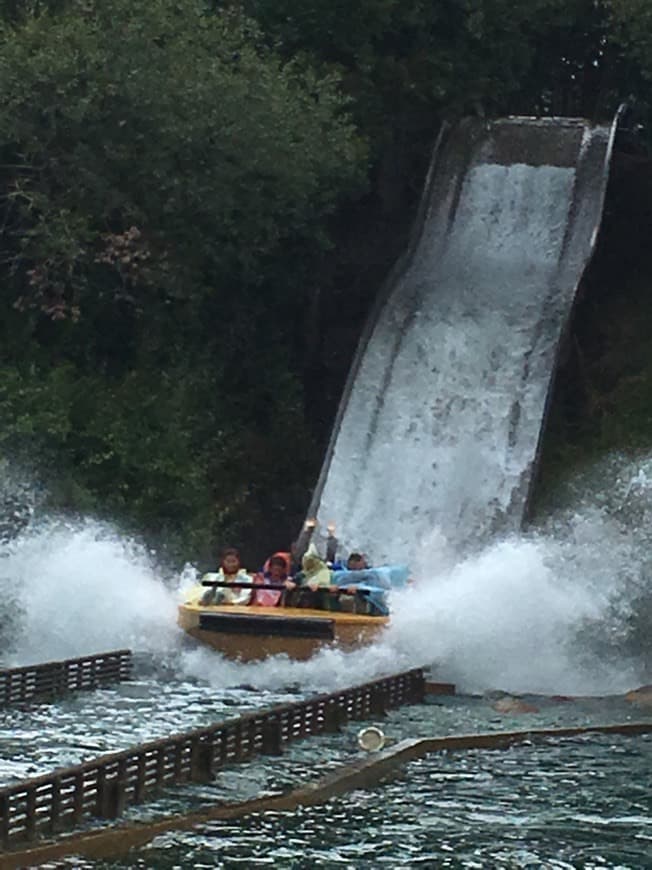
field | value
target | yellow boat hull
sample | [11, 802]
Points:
[251, 633]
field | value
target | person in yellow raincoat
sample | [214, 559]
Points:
[313, 584]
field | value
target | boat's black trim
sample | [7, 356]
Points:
[275, 626]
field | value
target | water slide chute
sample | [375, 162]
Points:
[440, 422]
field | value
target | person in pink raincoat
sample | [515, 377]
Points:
[277, 572]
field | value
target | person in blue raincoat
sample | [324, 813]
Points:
[370, 587]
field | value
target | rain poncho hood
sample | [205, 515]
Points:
[315, 570]
[270, 597]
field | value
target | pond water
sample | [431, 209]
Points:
[581, 802]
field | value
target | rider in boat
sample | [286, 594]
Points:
[312, 583]
[230, 571]
[300, 546]
[327, 584]
[367, 588]
[356, 562]
[276, 571]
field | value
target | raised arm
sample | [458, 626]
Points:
[302, 543]
[331, 543]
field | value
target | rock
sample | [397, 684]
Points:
[495, 694]
[510, 704]
[642, 696]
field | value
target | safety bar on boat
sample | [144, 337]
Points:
[103, 787]
[245, 585]
[344, 590]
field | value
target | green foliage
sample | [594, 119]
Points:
[164, 184]
[603, 397]
[158, 455]
[408, 62]
[156, 116]
[633, 27]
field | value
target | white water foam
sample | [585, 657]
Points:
[82, 589]
[504, 619]
[526, 614]
[547, 612]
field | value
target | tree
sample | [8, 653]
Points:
[165, 180]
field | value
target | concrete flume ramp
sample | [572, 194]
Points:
[441, 418]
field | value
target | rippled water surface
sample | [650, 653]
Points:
[34, 739]
[563, 803]
[580, 803]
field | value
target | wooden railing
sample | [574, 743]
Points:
[46, 681]
[105, 786]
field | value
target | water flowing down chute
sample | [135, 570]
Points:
[441, 419]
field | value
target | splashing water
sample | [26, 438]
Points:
[507, 619]
[503, 619]
[81, 589]
[553, 611]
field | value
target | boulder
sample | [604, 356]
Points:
[642, 696]
[511, 704]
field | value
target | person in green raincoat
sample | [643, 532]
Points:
[313, 584]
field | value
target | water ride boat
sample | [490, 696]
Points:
[257, 630]
[251, 633]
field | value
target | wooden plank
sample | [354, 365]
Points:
[55, 806]
[5, 814]
[120, 785]
[30, 814]
[43, 681]
[161, 761]
[140, 787]
[178, 751]
[78, 799]
[439, 688]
